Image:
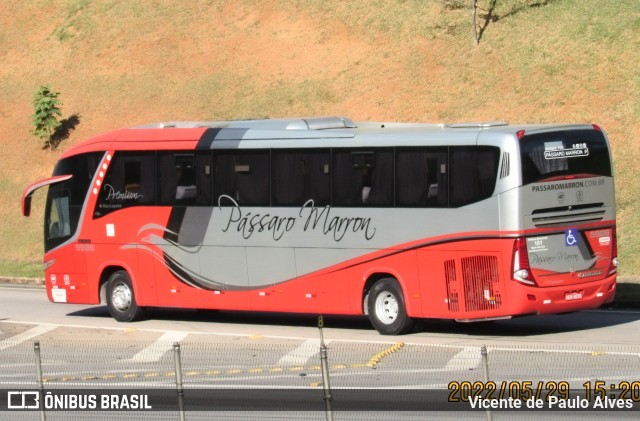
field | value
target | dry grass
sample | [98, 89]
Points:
[122, 63]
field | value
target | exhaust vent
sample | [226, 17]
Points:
[452, 285]
[568, 215]
[481, 283]
[504, 171]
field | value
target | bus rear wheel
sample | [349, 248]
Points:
[386, 308]
[121, 299]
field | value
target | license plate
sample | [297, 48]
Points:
[571, 296]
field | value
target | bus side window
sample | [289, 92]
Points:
[301, 175]
[184, 178]
[139, 176]
[363, 177]
[474, 170]
[203, 178]
[421, 177]
[242, 176]
[129, 182]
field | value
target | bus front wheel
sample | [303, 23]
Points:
[121, 299]
[386, 308]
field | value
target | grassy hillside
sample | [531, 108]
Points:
[119, 63]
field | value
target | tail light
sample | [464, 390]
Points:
[521, 269]
[613, 266]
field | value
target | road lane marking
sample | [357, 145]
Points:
[467, 359]
[492, 345]
[159, 347]
[26, 335]
[302, 353]
[373, 361]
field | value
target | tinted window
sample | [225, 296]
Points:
[300, 175]
[473, 172]
[66, 199]
[362, 177]
[546, 156]
[184, 178]
[130, 181]
[243, 176]
[421, 177]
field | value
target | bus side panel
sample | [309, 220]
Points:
[115, 242]
[401, 266]
[226, 300]
[324, 294]
[462, 284]
[145, 277]
[127, 259]
[262, 263]
[172, 292]
[439, 297]
[68, 275]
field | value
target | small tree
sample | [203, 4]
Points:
[474, 22]
[45, 117]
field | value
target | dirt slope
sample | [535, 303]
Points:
[119, 63]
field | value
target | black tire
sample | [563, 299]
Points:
[121, 299]
[387, 311]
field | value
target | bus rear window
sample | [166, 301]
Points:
[556, 155]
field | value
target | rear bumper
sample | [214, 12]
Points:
[564, 299]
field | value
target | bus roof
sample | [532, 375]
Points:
[189, 134]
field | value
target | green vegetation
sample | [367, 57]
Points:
[21, 269]
[123, 63]
[46, 113]
[76, 20]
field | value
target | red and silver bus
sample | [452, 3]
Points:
[397, 221]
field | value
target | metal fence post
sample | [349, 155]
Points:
[36, 349]
[326, 385]
[178, 364]
[485, 366]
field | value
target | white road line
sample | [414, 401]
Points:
[26, 335]
[157, 349]
[303, 353]
[467, 359]
[491, 346]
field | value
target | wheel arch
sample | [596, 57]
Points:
[374, 277]
[105, 274]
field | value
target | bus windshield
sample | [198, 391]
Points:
[65, 199]
[561, 155]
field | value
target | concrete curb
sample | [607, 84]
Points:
[5, 280]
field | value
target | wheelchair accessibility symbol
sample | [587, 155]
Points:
[570, 238]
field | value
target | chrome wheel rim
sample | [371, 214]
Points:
[386, 308]
[121, 297]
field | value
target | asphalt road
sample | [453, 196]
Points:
[588, 328]
[83, 348]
